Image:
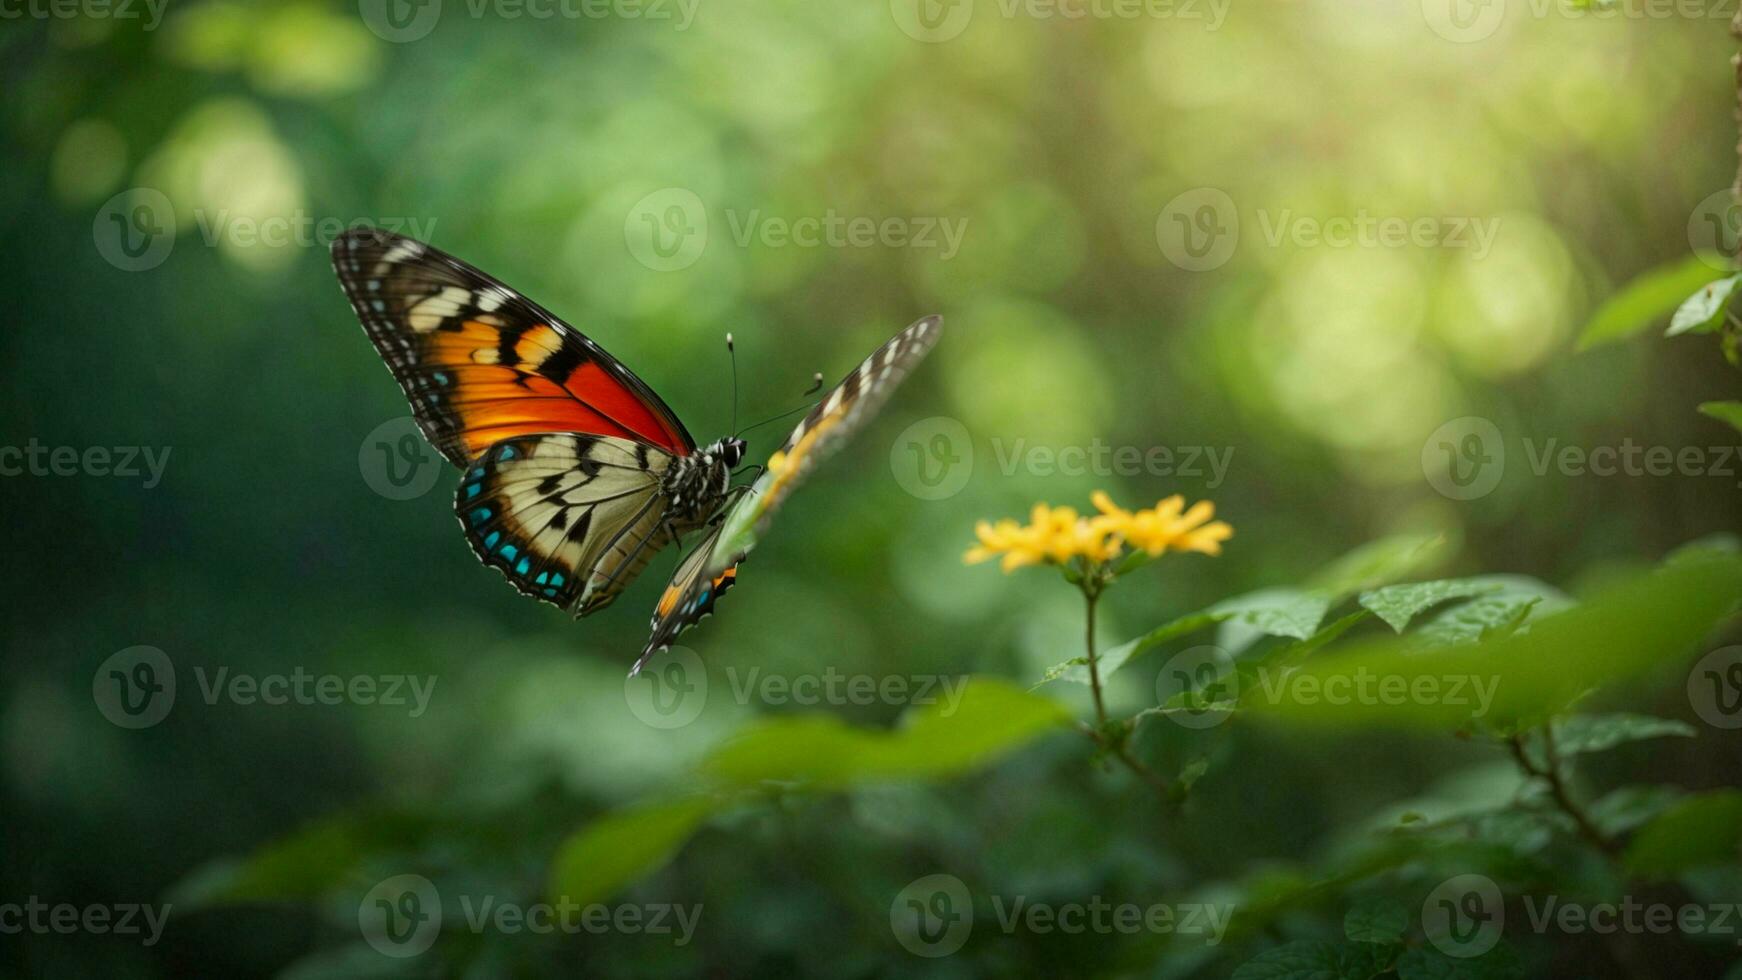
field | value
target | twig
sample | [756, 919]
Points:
[1736, 62]
[1550, 773]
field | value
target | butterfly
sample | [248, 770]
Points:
[575, 472]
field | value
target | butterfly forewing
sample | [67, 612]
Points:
[480, 363]
[713, 566]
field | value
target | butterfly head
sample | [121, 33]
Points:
[732, 452]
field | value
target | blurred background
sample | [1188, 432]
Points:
[1269, 250]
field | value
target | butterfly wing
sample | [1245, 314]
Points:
[568, 518]
[480, 363]
[689, 598]
[713, 566]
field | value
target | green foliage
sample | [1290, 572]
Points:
[1398, 604]
[1700, 830]
[814, 752]
[1614, 634]
[1729, 412]
[1646, 300]
[1704, 311]
[1379, 919]
[1318, 960]
[623, 846]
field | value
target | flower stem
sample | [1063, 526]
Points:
[1099, 733]
[1092, 596]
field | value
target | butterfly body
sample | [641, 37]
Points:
[575, 472]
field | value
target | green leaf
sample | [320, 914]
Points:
[1313, 959]
[1623, 809]
[1646, 299]
[1378, 563]
[1718, 544]
[1700, 830]
[1421, 963]
[1277, 612]
[1065, 671]
[1520, 600]
[1121, 655]
[1626, 628]
[992, 718]
[1596, 733]
[306, 864]
[1703, 312]
[1398, 604]
[1293, 613]
[1727, 412]
[1376, 920]
[623, 846]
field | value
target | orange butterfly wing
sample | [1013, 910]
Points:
[480, 363]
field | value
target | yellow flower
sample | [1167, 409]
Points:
[1166, 526]
[1053, 534]
[1056, 535]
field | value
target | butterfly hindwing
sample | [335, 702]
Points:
[713, 566]
[568, 518]
[480, 363]
[689, 598]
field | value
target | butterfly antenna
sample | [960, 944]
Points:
[732, 352]
[816, 385]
